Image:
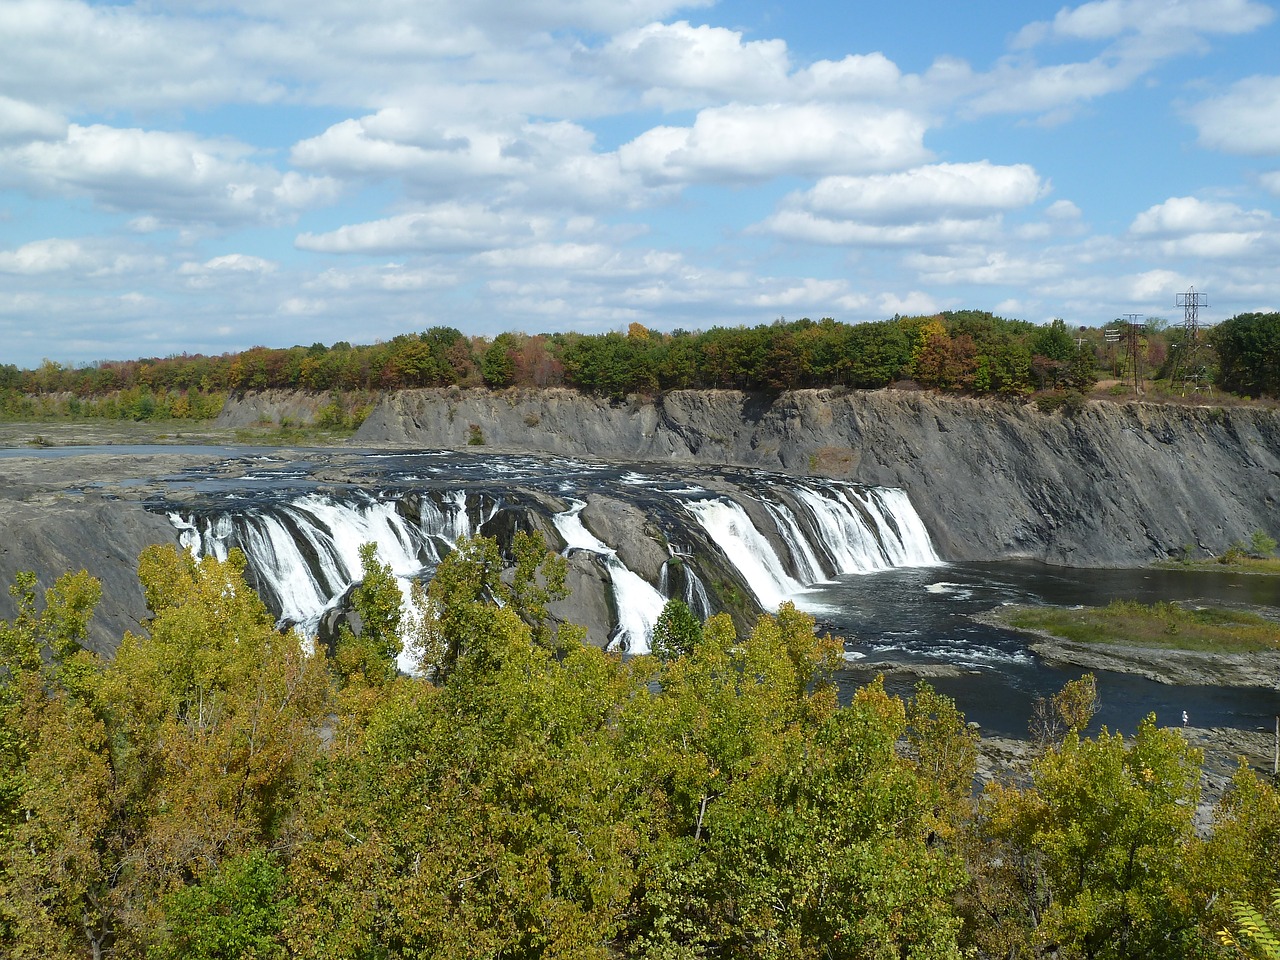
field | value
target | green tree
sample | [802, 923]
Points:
[1093, 855]
[497, 365]
[236, 912]
[676, 632]
[371, 650]
[1248, 347]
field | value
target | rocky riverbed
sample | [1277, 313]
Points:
[1179, 667]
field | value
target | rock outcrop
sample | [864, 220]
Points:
[84, 513]
[1112, 485]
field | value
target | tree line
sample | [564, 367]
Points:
[218, 789]
[968, 351]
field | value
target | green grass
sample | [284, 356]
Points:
[1264, 565]
[292, 436]
[1165, 625]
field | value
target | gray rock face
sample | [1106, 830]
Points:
[270, 407]
[61, 514]
[1114, 485]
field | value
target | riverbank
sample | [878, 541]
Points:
[1163, 665]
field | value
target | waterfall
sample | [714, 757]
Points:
[748, 549]
[304, 554]
[856, 530]
[302, 542]
[638, 604]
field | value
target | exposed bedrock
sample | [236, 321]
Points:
[1113, 485]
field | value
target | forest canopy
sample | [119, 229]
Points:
[219, 789]
[967, 351]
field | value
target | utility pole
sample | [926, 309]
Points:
[1189, 362]
[1132, 333]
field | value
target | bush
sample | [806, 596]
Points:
[1263, 545]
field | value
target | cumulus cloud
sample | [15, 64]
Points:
[448, 228]
[933, 204]
[230, 263]
[1018, 89]
[1137, 35]
[859, 76]
[175, 176]
[1245, 119]
[808, 294]
[79, 257]
[984, 267]
[680, 65]
[746, 142]
[108, 56]
[1187, 226]
[1181, 216]
[21, 121]
[808, 227]
[932, 192]
[387, 277]
[1109, 19]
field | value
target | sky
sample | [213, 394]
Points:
[203, 176]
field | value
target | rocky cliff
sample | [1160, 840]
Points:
[84, 512]
[1110, 485]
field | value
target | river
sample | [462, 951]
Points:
[925, 615]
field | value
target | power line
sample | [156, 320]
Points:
[1188, 361]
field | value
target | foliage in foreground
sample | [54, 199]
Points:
[215, 791]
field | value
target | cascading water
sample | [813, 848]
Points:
[638, 604]
[734, 533]
[302, 537]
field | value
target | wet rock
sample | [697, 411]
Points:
[1114, 485]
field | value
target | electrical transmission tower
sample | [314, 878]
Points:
[1189, 361]
[1131, 335]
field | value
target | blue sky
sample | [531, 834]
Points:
[208, 175]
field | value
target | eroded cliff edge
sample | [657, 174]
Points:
[1110, 485]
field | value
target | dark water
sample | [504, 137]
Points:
[924, 616]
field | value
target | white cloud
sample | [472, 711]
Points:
[678, 64]
[745, 143]
[1109, 19]
[928, 205]
[230, 263]
[1246, 119]
[1062, 210]
[1271, 181]
[857, 76]
[1151, 286]
[808, 294]
[808, 227]
[389, 278]
[985, 267]
[174, 176]
[21, 121]
[911, 304]
[449, 227]
[1138, 35]
[117, 56]
[1188, 216]
[928, 193]
[78, 257]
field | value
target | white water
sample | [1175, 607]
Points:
[746, 547]
[639, 605]
[880, 531]
[305, 553]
